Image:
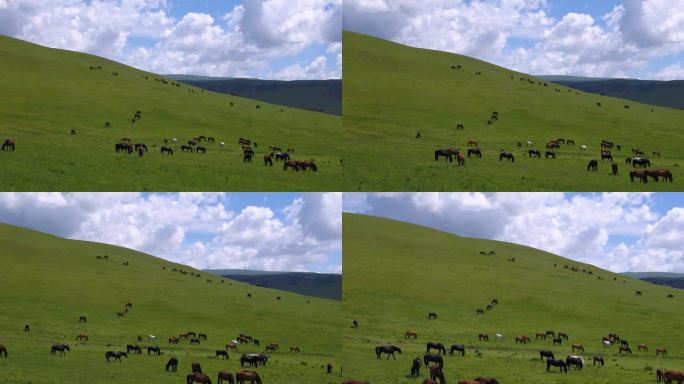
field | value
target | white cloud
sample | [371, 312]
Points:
[581, 227]
[670, 72]
[191, 228]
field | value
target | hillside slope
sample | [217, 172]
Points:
[48, 92]
[396, 273]
[49, 282]
[315, 95]
[392, 91]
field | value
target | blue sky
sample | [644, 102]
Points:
[607, 38]
[263, 231]
[274, 39]
[616, 231]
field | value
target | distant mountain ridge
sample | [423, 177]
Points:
[675, 280]
[315, 95]
[663, 93]
[323, 285]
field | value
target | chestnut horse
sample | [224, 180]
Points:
[9, 144]
[670, 376]
[82, 336]
[250, 376]
[225, 376]
[198, 377]
[232, 346]
[642, 347]
[661, 351]
[436, 372]
[577, 347]
[410, 334]
[483, 337]
[625, 349]
[294, 349]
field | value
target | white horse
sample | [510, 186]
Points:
[529, 143]
[174, 140]
[583, 147]
[499, 336]
[222, 144]
[606, 343]
[152, 338]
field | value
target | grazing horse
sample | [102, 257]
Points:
[201, 149]
[294, 349]
[479, 311]
[550, 154]
[61, 348]
[292, 164]
[556, 363]
[410, 334]
[460, 159]
[447, 153]
[606, 343]
[460, 348]
[624, 349]
[670, 376]
[640, 174]
[661, 351]
[82, 319]
[432, 316]
[168, 150]
[547, 354]
[186, 148]
[558, 341]
[172, 364]
[427, 358]
[472, 143]
[115, 355]
[8, 145]
[436, 373]
[522, 340]
[195, 341]
[534, 153]
[606, 155]
[570, 142]
[483, 337]
[459, 127]
[82, 336]
[563, 335]
[540, 335]
[3, 351]
[388, 349]
[225, 376]
[222, 353]
[232, 345]
[198, 377]
[642, 347]
[154, 350]
[664, 173]
[415, 366]
[506, 155]
[577, 347]
[641, 161]
[306, 164]
[577, 361]
[134, 348]
[438, 346]
[475, 152]
[593, 165]
[598, 360]
[250, 376]
[123, 147]
[281, 156]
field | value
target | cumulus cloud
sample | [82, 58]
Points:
[192, 228]
[582, 227]
[621, 43]
[246, 41]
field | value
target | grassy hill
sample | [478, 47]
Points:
[315, 95]
[396, 273]
[48, 282]
[663, 93]
[324, 285]
[48, 92]
[393, 91]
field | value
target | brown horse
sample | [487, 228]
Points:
[294, 349]
[472, 143]
[410, 334]
[670, 376]
[624, 349]
[250, 376]
[577, 347]
[82, 336]
[268, 159]
[483, 337]
[8, 144]
[225, 376]
[661, 351]
[3, 351]
[306, 164]
[642, 347]
[540, 335]
[292, 164]
[460, 159]
[639, 174]
[198, 377]
[659, 374]
[436, 372]
[232, 346]
[663, 173]
[521, 339]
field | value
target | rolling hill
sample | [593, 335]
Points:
[47, 93]
[392, 91]
[395, 273]
[315, 95]
[663, 93]
[675, 280]
[323, 285]
[49, 282]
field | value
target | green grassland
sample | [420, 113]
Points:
[48, 282]
[396, 273]
[393, 91]
[48, 92]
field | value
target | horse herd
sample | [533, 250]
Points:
[277, 153]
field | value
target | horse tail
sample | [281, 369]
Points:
[188, 379]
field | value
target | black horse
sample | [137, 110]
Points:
[558, 341]
[134, 348]
[8, 144]
[550, 154]
[534, 153]
[556, 363]
[154, 350]
[593, 165]
[222, 353]
[3, 351]
[282, 156]
[438, 346]
[428, 358]
[577, 361]
[168, 150]
[506, 155]
[141, 145]
[432, 315]
[123, 147]
[415, 367]
[547, 354]
[460, 348]
[641, 161]
[388, 349]
[194, 341]
[172, 364]
[61, 348]
[475, 152]
[201, 149]
[247, 158]
[447, 153]
[115, 355]
[253, 359]
[186, 148]
[82, 319]
[606, 156]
